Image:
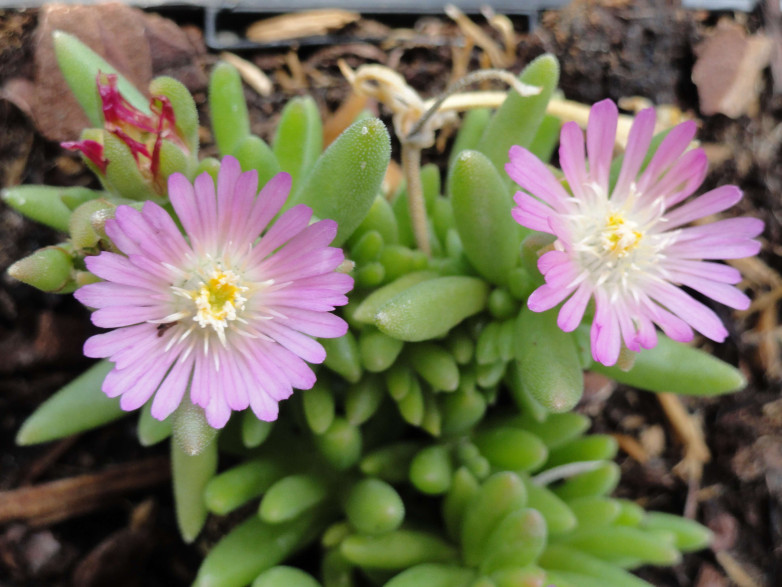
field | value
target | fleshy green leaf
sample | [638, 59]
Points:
[80, 66]
[252, 547]
[49, 269]
[374, 507]
[299, 139]
[516, 122]
[433, 575]
[675, 367]
[431, 308]
[481, 207]
[347, 176]
[44, 203]
[230, 121]
[548, 361]
[190, 474]
[79, 406]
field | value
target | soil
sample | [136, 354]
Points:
[613, 49]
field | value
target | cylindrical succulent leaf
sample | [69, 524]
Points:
[374, 507]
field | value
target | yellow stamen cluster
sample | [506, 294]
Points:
[218, 299]
[619, 237]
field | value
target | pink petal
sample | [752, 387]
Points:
[102, 346]
[200, 388]
[601, 136]
[573, 310]
[605, 333]
[703, 319]
[572, 159]
[720, 292]
[231, 380]
[217, 411]
[713, 271]
[105, 294]
[206, 204]
[681, 181]
[119, 269]
[182, 196]
[673, 326]
[307, 348]
[163, 225]
[726, 230]
[126, 315]
[319, 324]
[235, 226]
[531, 212]
[711, 202]
[637, 147]
[292, 221]
[670, 149]
[170, 393]
[226, 184]
[546, 297]
[550, 259]
[532, 175]
[269, 201]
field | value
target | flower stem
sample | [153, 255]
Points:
[411, 165]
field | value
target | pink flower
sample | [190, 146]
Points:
[219, 311]
[626, 246]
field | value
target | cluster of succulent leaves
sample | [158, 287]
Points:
[438, 447]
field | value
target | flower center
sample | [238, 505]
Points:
[620, 236]
[218, 299]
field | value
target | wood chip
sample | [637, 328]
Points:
[55, 501]
[735, 571]
[311, 23]
[632, 447]
[728, 69]
[251, 73]
[472, 31]
[690, 432]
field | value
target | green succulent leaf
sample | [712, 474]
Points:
[399, 549]
[433, 575]
[346, 178]
[481, 208]
[517, 121]
[374, 507]
[675, 367]
[79, 406]
[230, 120]
[548, 361]
[299, 138]
[80, 66]
[291, 496]
[48, 205]
[238, 485]
[431, 308]
[190, 474]
[285, 576]
[253, 547]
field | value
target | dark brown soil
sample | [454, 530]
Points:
[611, 49]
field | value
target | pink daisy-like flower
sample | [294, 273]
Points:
[219, 311]
[627, 247]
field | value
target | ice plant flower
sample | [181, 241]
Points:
[142, 133]
[218, 311]
[627, 245]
